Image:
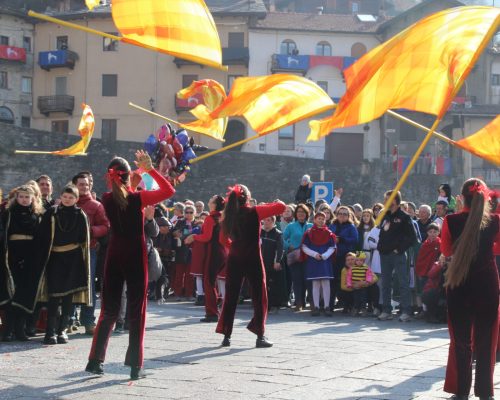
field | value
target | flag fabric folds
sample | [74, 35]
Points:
[86, 130]
[271, 102]
[183, 29]
[213, 94]
[485, 143]
[420, 69]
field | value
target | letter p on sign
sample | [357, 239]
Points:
[322, 191]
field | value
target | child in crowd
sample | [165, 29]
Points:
[362, 280]
[428, 254]
[345, 294]
[65, 237]
[272, 253]
[319, 245]
[433, 293]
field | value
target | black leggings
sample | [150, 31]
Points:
[66, 308]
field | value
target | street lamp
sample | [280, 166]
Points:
[152, 104]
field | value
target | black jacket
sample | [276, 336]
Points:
[271, 247]
[397, 233]
[303, 194]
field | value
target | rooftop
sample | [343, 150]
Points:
[316, 22]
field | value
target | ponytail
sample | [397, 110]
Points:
[118, 178]
[238, 197]
[465, 248]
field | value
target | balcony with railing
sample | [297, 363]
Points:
[57, 59]
[11, 53]
[58, 103]
[188, 104]
[301, 63]
[490, 175]
[230, 56]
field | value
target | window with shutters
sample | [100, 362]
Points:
[110, 85]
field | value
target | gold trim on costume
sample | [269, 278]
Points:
[20, 237]
[65, 248]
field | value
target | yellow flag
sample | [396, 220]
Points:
[86, 130]
[183, 29]
[213, 94]
[92, 3]
[420, 69]
[485, 143]
[270, 102]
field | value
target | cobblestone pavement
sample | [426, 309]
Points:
[313, 358]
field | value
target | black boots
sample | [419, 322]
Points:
[226, 342]
[210, 318]
[200, 300]
[137, 373]
[50, 332]
[62, 337]
[20, 326]
[95, 367]
[15, 325]
[262, 342]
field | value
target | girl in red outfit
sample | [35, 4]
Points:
[241, 224]
[472, 292]
[215, 254]
[126, 261]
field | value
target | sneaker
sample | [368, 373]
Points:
[404, 318]
[119, 327]
[50, 340]
[262, 342]
[385, 317]
[226, 342]
[74, 328]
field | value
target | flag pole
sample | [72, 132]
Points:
[45, 152]
[154, 114]
[407, 171]
[222, 149]
[72, 25]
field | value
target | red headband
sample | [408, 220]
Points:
[114, 175]
[237, 189]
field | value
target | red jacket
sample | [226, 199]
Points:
[429, 253]
[99, 223]
[434, 277]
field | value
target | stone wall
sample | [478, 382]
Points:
[268, 177]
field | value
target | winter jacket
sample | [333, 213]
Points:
[271, 247]
[303, 194]
[397, 233]
[347, 235]
[434, 277]
[98, 221]
[428, 254]
[294, 232]
[375, 254]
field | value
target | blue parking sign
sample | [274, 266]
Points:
[322, 191]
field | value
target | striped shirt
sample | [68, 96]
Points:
[359, 273]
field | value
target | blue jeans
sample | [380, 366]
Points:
[298, 271]
[87, 314]
[391, 263]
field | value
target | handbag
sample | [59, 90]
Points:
[293, 257]
[155, 266]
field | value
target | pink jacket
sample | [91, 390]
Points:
[369, 277]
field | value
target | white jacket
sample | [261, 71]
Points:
[372, 245]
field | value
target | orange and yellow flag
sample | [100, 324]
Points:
[213, 94]
[86, 130]
[420, 69]
[183, 29]
[485, 143]
[270, 102]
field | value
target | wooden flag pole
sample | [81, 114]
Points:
[152, 113]
[222, 149]
[71, 25]
[45, 152]
[407, 171]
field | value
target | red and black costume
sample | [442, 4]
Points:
[212, 245]
[126, 261]
[472, 306]
[245, 261]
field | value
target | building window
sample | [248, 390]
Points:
[323, 85]
[358, 50]
[4, 40]
[62, 43]
[495, 79]
[61, 85]
[407, 133]
[236, 39]
[60, 126]
[3, 80]
[27, 44]
[355, 7]
[26, 122]
[109, 44]
[6, 115]
[323, 49]
[230, 81]
[108, 131]
[187, 80]
[26, 84]
[286, 138]
[288, 47]
[110, 85]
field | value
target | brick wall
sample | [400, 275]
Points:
[268, 177]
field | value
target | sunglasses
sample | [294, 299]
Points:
[189, 212]
[344, 214]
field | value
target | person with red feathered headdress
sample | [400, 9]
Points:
[472, 291]
[126, 260]
[241, 224]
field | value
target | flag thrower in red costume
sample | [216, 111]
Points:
[126, 260]
[241, 224]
